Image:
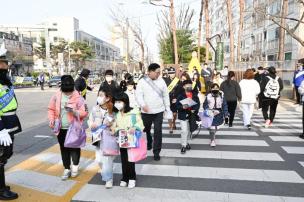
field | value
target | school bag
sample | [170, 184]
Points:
[272, 89]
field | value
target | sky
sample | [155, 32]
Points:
[94, 15]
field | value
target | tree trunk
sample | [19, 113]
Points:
[207, 21]
[231, 34]
[241, 24]
[200, 32]
[173, 27]
[284, 11]
[142, 47]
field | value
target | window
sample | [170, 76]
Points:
[277, 33]
[265, 35]
[270, 57]
[54, 24]
[288, 56]
[55, 39]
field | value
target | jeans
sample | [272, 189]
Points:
[272, 104]
[247, 112]
[157, 120]
[185, 132]
[67, 153]
[105, 163]
[231, 109]
[128, 168]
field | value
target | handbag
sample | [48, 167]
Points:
[139, 153]
[192, 121]
[206, 120]
[109, 144]
[76, 135]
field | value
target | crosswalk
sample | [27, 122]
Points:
[257, 165]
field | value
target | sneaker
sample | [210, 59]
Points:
[74, 171]
[249, 127]
[188, 147]
[132, 184]
[301, 136]
[267, 123]
[171, 131]
[183, 150]
[66, 174]
[212, 144]
[109, 184]
[123, 184]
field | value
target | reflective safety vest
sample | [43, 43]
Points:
[84, 92]
[8, 101]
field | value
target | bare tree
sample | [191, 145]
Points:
[241, 25]
[284, 12]
[231, 34]
[290, 31]
[136, 29]
[207, 21]
[200, 31]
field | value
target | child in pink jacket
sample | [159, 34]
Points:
[64, 107]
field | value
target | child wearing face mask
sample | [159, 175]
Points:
[102, 116]
[184, 111]
[123, 121]
[216, 104]
[131, 94]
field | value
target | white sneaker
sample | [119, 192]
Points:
[123, 184]
[212, 144]
[66, 174]
[132, 184]
[74, 170]
[109, 184]
[267, 123]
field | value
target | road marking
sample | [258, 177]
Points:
[286, 139]
[294, 150]
[253, 156]
[92, 192]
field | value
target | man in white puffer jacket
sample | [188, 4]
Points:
[250, 89]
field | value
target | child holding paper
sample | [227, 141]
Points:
[102, 116]
[127, 119]
[184, 109]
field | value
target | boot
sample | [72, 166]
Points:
[5, 193]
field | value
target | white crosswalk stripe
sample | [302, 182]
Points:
[188, 177]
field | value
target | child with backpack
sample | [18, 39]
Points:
[271, 87]
[127, 119]
[216, 106]
[100, 121]
[185, 111]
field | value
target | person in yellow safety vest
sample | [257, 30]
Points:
[9, 125]
[81, 83]
[172, 82]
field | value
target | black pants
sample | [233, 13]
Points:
[298, 96]
[42, 85]
[157, 120]
[272, 104]
[5, 154]
[128, 168]
[67, 153]
[231, 109]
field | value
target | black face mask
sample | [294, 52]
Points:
[4, 79]
[215, 92]
[67, 89]
[188, 89]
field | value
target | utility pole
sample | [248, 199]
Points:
[173, 28]
[128, 46]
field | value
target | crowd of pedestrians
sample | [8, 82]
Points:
[121, 120]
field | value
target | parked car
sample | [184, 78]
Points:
[54, 81]
[23, 81]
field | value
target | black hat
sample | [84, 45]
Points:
[171, 70]
[85, 73]
[109, 72]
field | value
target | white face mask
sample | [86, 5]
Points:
[119, 105]
[101, 100]
[130, 88]
[109, 78]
